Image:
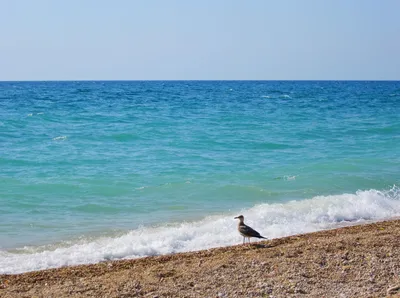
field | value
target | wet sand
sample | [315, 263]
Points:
[357, 261]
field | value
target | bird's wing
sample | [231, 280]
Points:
[249, 232]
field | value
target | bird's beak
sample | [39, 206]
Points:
[235, 217]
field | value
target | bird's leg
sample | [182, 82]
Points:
[244, 238]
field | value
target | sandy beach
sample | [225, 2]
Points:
[356, 261]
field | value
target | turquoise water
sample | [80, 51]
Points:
[90, 170]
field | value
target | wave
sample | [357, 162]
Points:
[60, 138]
[272, 146]
[123, 137]
[271, 220]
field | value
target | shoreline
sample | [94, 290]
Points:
[354, 261]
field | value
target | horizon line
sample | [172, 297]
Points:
[206, 80]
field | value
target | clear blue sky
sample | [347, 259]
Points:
[219, 39]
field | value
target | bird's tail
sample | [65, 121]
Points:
[262, 237]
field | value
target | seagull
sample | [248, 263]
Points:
[246, 231]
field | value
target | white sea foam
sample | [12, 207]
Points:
[271, 220]
[60, 138]
[31, 114]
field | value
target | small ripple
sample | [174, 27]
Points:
[94, 208]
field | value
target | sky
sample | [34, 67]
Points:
[199, 40]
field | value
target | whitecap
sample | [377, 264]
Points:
[289, 178]
[60, 138]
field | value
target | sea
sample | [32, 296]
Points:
[92, 171]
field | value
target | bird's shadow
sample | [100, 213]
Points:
[261, 245]
[274, 242]
[269, 244]
[258, 245]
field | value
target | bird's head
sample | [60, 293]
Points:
[240, 217]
